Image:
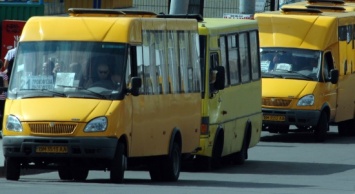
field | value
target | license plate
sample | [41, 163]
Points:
[273, 118]
[52, 149]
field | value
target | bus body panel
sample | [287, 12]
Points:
[275, 31]
[158, 117]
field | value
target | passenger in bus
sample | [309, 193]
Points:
[78, 77]
[275, 60]
[57, 67]
[47, 68]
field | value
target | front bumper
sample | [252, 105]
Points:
[290, 117]
[87, 147]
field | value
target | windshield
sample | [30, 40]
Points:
[290, 63]
[68, 69]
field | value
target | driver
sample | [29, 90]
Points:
[105, 79]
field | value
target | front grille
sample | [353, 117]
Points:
[52, 128]
[276, 102]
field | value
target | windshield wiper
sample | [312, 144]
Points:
[95, 93]
[302, 75]
[39, 93]
[271, 75]
[83, 89]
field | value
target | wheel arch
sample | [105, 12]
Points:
[248, 131]
[325, 108]
[123, 139]
[175, 137]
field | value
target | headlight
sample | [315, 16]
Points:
[13, 124]
[96, 125]
[306, 101]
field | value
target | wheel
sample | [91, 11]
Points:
[65, 173]
[240, 157]
[12, 169]
[118, 164]
[172, 164]
[80, 174]
[322, 128]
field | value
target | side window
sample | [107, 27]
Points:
[194, 71]
[233, 59]
[328, 65]
[184, 61]
[161, 64]
[173, 62]
[214, 60]
[244, 56]
[169, 62]
[223, 47]
[254, 55]
[140, 72]
[148, 49]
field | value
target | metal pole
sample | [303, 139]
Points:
[247, 7]
[179, 7]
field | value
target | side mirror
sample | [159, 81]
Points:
[334, 76]
[136, 83]
[220, 78]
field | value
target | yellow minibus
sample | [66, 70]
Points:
[104, 90]
[231, 102]
[307, 60]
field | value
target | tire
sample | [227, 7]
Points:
[65, 173]
[320, 132]
[240, 157]
[12, 169]
[80, 174]
[172, 164]
[118, 164]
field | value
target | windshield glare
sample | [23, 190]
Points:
[75, 69]
[291, 63]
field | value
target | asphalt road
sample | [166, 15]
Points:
[281, 163]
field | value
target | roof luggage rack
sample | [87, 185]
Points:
[327, 8]
[198, 17]
[112, 12]
[336, 2]
[287, 10]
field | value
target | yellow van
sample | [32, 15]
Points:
[307, 60]
[104, 90]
